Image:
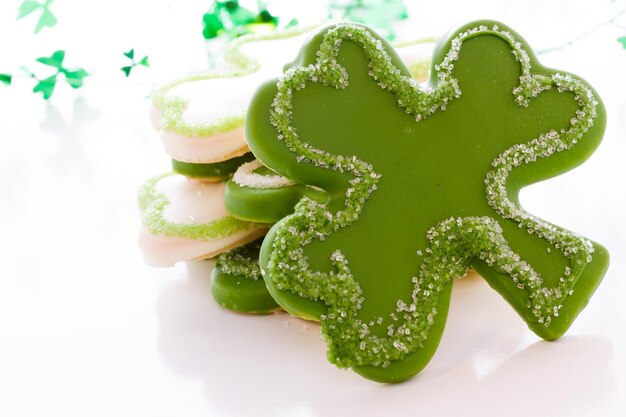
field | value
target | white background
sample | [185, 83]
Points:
[87, 329]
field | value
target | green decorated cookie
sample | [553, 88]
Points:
[256, 193]
[214, 172]
[236, 281]
[423, 183]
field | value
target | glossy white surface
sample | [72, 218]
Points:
[86, 329]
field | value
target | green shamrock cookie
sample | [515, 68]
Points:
[257, 194]
[423, 183]
[214, 172]
[236, 281]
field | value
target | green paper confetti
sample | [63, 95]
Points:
[213, 26]
[6, 79]
[131, 55]
[46, 87]
[74, 76]
[46, 19]
[378, 14]
[229, 18]
[55, 60]
[292, 24]
[622, 40]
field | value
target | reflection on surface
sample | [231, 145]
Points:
[70, 154]
[486, 356]
[229, 352]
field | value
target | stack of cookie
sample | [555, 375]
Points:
[416, 184]
[407, 186]
[200, 210]
[201, 123]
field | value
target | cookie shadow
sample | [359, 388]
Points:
[275, 365]
[232, 353]
[69, 133]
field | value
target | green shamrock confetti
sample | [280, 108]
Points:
[213, 26]
[73, 76]
[231, 19]
[6, 79]
[379, 14]
[46, 19]
[423, 183]
[131, 55]
[622, 40]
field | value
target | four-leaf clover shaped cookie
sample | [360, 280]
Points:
[422, 183]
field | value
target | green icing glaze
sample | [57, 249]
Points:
[236, 283]
[152, 203]
[423, 183]
[172, 107]
[264, 201]
[218, 171]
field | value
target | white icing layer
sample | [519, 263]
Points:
[246, 177]
[209, 100]
[216, 98]
[192, 201]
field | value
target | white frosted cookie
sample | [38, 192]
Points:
[185, 219]
[201, 117]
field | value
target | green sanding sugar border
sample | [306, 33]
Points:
[152, 204]
[172, 108]
[453, 242]
[242, 261]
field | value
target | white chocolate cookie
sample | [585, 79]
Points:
[201, 117]
[185, 219]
